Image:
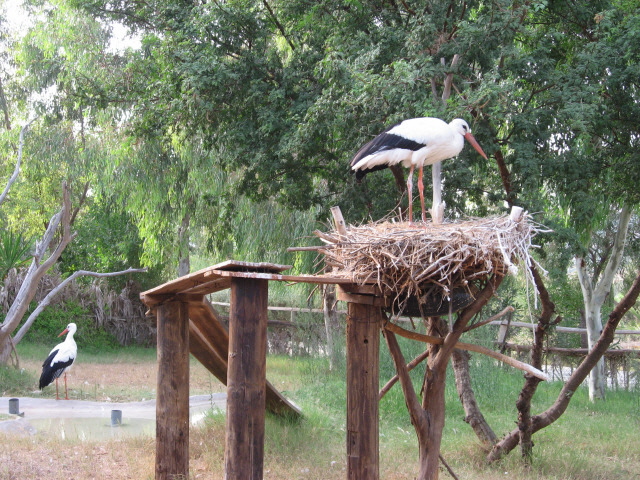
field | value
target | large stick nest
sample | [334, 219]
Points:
[430, 269]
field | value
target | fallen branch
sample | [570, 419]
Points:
[508, 309]
[469, 347]
[420, 358]
[410, 366]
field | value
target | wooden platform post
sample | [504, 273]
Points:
[246, 379]
[363, 346]
[172, 406]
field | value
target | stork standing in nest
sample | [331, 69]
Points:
[415, 143]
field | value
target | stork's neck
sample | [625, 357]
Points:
[69, 339]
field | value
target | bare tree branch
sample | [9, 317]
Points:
[51, 295]
[4, 106]
[16, 170]
[546, 418]
[38, 268]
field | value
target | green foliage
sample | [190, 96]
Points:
[14, 381]
[52, 321]
[14, 249]
[228, 132]
[107, 241]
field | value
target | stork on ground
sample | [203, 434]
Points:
[414, 143]
[59, 361]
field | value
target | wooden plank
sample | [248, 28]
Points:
[208, 322]
[195, 279]
[215, 285]
[211, 348]
[362, 299]
[239, 266]
[172, 407]
[338, 220]
[319, 279]
[246, 380]
[211, 280]
[363, 346]
[366, 289]
[564, 329]
[202, 349]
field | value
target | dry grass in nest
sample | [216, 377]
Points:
[430, 263]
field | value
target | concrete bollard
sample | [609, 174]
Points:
[116, 418]
[14, 406]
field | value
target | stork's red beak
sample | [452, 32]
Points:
[475, 144]
[66, 330]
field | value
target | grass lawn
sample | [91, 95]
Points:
[589, 442]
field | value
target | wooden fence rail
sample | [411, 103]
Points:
[294, 310]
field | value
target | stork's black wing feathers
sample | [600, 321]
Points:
[383, 142]
[51, 372]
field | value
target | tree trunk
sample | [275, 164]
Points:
[594, 293]
[593, 321]
[472, 414]
[184, 260]
[433, 403]
[523, 404]
[36, 271]
[5, 107]
[428, 417]
[16, 170]
[434, 410]
[538, 422]
[331, 325]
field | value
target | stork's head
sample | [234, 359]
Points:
[71, 328]
[462, 127]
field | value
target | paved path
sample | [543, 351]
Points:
[44, 408]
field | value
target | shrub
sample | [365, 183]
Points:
[54, 320]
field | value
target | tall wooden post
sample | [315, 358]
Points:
[363, 346]
[172, 405]
[246, 379]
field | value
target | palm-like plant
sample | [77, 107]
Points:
[14, 251]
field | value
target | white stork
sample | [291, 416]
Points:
[59, 361]
[414, 143]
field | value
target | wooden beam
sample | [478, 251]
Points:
[172, 405]
[246, 379]
[210, 345]
[363, 346]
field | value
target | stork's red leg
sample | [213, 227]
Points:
[421, 192]
[66, 395]
[57, 397]
[410, 192]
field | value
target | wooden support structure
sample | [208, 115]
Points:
[246, 377]
[172, 403]
[363, 347]
[188, 323]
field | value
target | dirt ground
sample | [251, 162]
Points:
[25, 457]
[124, 380]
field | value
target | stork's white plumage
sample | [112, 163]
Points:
[414, 143]
[59, 361]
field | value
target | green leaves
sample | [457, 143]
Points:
[231, 102]
[14, 251]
